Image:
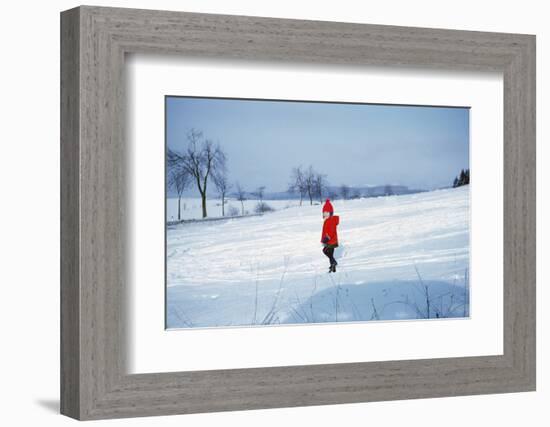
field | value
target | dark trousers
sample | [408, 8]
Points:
[329, 252]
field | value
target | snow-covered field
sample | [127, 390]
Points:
[400, 257]
[191, 208]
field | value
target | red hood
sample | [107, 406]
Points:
[335, 219]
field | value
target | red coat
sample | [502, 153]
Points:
[329, 230]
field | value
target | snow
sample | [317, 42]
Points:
[400, 257]
[191, 208]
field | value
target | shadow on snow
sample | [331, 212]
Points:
[372, 301]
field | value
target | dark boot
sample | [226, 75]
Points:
[329, 252]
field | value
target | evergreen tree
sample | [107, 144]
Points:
[462, 179]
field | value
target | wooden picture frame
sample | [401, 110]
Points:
[94, 41]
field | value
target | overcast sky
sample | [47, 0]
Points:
[421, 147]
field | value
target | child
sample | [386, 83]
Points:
[329, 236]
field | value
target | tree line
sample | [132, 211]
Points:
[201, 164]
[311, 185]
[307, 183]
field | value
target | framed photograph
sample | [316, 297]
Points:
[261, 213]
[254, 250]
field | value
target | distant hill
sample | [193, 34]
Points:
[354, 192]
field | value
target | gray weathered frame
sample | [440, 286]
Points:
[94, 41]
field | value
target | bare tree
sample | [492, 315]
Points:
[309, 183]
[178, 179]
[319, 185]
[241, 195]
[259, 193]
[297, 183]
[222, 185]
[201, 159]
[344, 191]
[388, 190]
